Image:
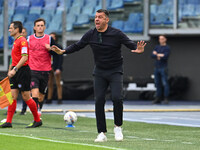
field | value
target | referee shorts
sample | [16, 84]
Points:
[39, 79]
[22, 79]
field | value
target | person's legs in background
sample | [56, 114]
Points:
[24, 107]
[158, 84]
[50, 88]
[59, 87]
[164, 77]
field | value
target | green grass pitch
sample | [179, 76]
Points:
[53, 135]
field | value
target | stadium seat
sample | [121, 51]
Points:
[82, 20]
[119, 24]
[57, 18]
[71, 18]
[130, 27]
[152, 19]
[49, 11]
[75, 10]
[79, 3]
[1, 43]
[1, 29]
[55, 26]
[23, 3]
[134, 24]
[97, 8]
[32, 17]
[194, 2]
[1, 3]
[35, 10]
[160, 19]
[11, 4]
[128, 1]
[197, 10]
[92, 3]
[1, 18]
[140, 26]
[21, 10]
[29, 27]
[88, 10]
[188, 10]
[116, 4]
[19, 17]
[69, 27]
[37, 3]
[50, 4]
[108, 3]
[153, 8]
[61, 4]
[167, 2]
[47, 17]
[10, 42]
[163, 9]
[134, 17]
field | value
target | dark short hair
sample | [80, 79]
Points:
[24, 28]
[38, 20]
[163, 35]
[104, 11]
[17, 24]
[54, 33]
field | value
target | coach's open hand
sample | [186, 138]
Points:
[140, 47]
[57, 50]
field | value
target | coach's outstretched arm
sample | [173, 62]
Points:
[57, 50]
[140, 47]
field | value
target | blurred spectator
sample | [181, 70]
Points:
[24, 105]
[161, 54]
[57, 61]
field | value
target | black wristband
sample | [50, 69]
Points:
[15, 68]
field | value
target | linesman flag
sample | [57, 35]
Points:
[5, 93]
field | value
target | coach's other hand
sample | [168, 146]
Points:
[57, 50]
[140, 47]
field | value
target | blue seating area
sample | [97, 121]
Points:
[31, 9]
[134, 24]
[188, 8]
[162, 14]
[79, 13]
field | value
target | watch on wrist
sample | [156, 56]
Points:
[15, 68]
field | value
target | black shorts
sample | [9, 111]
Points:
[22, 79]
[39, 79]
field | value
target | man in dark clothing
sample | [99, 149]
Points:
[161, 54]
[105, 42]
[55, 72]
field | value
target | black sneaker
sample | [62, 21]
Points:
[22, 113]
[6, 125]
[49, 101]
[157, 101]
[59, 101]
[166, 101]
[35, 124]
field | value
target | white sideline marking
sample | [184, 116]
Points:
[162, 122]
[56, 141]
[186, 142]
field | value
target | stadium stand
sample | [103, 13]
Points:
[22, 3]
[19, 17]
[80, 14]
[119, 24]
[35, 10]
